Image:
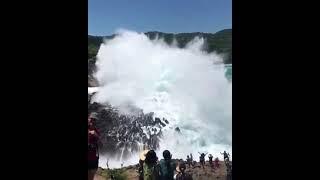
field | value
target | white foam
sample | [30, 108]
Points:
[92, 90]
[182, 85]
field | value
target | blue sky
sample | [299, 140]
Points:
[106, 16]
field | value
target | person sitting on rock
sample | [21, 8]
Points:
[202, 159]
[182, 175]
[167, 166]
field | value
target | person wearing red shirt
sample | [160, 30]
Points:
[216, 162]
[93, 153]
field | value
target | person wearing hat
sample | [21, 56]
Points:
[182, 175]
[93, 153]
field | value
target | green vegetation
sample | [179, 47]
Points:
[220, 42]
[118, 174]
[93, 45]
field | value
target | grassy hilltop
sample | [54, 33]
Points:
[220, 42]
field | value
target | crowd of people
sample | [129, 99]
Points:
[150, 168]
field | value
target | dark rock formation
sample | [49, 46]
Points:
[166, 121]
[125, 133]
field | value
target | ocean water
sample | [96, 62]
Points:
[188, 87]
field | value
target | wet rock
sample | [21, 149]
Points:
[157, 120]
[166, 121]
[120, 131]
[162, 124]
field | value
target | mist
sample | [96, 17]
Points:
[187, 86]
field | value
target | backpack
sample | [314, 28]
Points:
[167, 169]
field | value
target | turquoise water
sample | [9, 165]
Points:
[228, 71]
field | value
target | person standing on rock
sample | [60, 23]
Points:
[93, 153]
[189, 161]
[225, 155]
[216, 162]
[167, 166]
[150, 166]
[202, 159]
[192, 162]
[210, 160]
